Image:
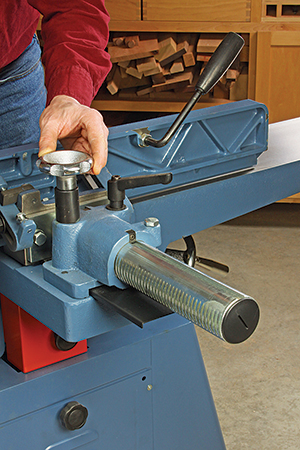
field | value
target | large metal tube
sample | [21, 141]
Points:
[219, 309]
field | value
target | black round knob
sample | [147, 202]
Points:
[62, 344]
[73, 416]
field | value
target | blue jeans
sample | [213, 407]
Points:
[22, 98]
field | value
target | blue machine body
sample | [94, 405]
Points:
[144, 388]
[227, 138]
[210, 142]
[132, 383]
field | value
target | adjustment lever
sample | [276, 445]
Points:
[218, 64]
[116, 187]
[189, 257]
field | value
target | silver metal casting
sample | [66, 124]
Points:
[65, 162]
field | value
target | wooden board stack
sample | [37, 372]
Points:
[150, 64]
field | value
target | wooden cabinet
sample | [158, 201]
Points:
[195, 10]
[124, 9]
[280, 10]
[272, 28]
[177, 10]
[277, 74]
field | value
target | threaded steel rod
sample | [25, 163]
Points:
[219, 309]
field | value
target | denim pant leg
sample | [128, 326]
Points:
[22, 98]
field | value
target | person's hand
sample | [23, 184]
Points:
[77, 127]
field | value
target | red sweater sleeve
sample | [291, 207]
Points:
[75, 34]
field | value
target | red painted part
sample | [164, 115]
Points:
[30, 345]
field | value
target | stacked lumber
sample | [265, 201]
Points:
[152, 64]
[208, 43]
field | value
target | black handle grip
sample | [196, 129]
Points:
[220, 62]
[142, 180]
[116, 186]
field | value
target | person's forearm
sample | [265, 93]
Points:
[75, 35]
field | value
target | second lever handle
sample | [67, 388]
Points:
[117, 185]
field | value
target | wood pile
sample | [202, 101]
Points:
[151, 65]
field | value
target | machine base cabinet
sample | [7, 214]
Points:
[143, 389]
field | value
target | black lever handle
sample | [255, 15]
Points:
[218, 64]
[116, 187]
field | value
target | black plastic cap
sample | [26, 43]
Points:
[240, 321]
[73, 416]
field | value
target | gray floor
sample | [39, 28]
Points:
[256, 384]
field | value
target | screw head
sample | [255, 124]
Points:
[20, 217]
[151, 222]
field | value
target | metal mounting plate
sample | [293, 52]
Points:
[130, 303]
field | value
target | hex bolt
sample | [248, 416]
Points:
[20, 217]
[39, 238]
[151, 222]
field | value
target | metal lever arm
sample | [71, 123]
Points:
[218, 64]
[116, 186]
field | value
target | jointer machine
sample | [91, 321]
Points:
[98, 343]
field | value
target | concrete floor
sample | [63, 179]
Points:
[256, 384]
